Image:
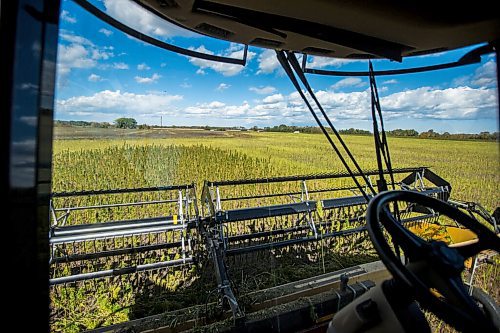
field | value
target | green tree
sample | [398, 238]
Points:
[126, 123]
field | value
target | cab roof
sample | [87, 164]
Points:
[338, 28]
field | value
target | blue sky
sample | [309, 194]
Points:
[102, 74]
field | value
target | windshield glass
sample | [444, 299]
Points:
[188, 192]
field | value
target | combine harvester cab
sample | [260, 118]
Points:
[93, 235]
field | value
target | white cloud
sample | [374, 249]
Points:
[153, 79]
[66, 17]
[120, 65]
[73, 56]
[421, 103]
[106, 32]
[67, 36]
[451, 103]
[222, 87]
[461, 81]
[321, 62]
[143, 67]
[273, 99]
[268, 63]
[216, 105]
[200, 109]
[79, 52]
[348, 82]
[99, 54]
[204, 108]
[222, 68]
[94, 78]
[116, 102]
[185, 85]
[392, 81]
[263, 90]
[485, 76]
[163, 64]
[140, 19]
[218, 109]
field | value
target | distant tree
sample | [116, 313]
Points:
[485, 136]
[355, 131]
[403, 132]
[125, 123]
[429, 134]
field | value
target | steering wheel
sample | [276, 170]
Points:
[432, 274]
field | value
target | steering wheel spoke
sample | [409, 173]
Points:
[447, 287]
[411, 244]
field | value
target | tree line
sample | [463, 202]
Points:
[123, 122]
[131, 123]
[409, 133]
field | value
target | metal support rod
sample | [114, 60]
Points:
[113, 225]
[116, 272]
[113, 233]
[140, 203]
[112, 253]
[310, 213]
[319, 176]
[289, 62]
[217, 199]
[307, 239]
[286, 194]
[472, 273]
[53, 214]
[120, 191]
[181, 208]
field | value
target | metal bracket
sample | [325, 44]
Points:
[213, 244]
[310, 220]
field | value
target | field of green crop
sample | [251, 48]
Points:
[134, 159]
[106, 159]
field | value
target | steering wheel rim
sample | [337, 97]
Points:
[431, 261]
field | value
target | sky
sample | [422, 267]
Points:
[103, 74]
